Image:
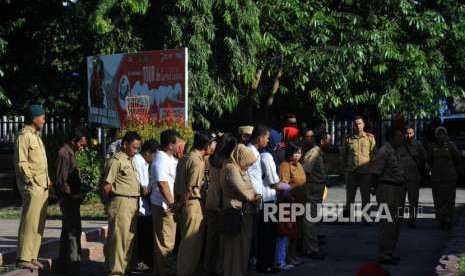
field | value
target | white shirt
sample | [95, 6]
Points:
[255, 172]
[142, 170]
[269, 177]
[163, 169]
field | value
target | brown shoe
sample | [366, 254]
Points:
[26, 265]
[37, 264]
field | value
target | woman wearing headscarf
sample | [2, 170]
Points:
[238, 194]
[444, 158]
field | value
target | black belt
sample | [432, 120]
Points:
[393, 183]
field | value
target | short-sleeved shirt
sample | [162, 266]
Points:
[269, 177]
[163, 170]
[142, 170]
[314, 165]
[122, 176]
[190, 172]
[30, 159]
[357, 153]
[387, 165]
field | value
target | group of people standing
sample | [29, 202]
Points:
[179, 214]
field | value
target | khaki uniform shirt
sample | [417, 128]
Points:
[444, 160]
[122, 176]
[213, 202]
[411, 161]
[386, 164]
[190, 172]
[237, 188]
[357, 153]
[30, 159]
[314, 165]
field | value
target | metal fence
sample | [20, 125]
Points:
[11, 125]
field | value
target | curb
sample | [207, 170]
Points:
[448, 264]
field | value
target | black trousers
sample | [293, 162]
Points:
[266, 243]
[145, 240]
[70, 239]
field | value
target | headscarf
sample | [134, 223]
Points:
[290, 133]
[438, 129]
[243, 157]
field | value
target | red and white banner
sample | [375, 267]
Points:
[153, 82]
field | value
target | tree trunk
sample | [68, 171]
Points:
[275, 88]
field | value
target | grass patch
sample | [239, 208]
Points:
[89, 211]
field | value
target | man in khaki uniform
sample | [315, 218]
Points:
[121, 190]
[357, 153]
[389, 178]
[315, 169]
[33, 183]
[412, 156]
[187, 189]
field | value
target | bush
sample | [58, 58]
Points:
[90, 164]
[151, 129]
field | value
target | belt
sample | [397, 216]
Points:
[115, 195]
[393, 183]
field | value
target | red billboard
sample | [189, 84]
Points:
[152, 84]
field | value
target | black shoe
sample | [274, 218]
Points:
[315, 255]
[388, 261]
[270, 270]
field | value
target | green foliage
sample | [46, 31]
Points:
[90, 164]
[152, 129]
[395, 55]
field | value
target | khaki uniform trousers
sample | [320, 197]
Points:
[192, 229]
[122, 226]
[314, 193]
[412, 190]
[388, 232]
[164, 234]
[237, 249]
[444, 200]
[214, 244]
[32, 224]
[353, 181]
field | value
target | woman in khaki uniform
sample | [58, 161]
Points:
[213, 205]
[444, 158]
[238, 193]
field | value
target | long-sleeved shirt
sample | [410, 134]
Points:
[30, 159]
[269, 176]
[142, 169]
[67, 180]
[314, 165]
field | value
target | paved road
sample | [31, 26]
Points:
[348, 246]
